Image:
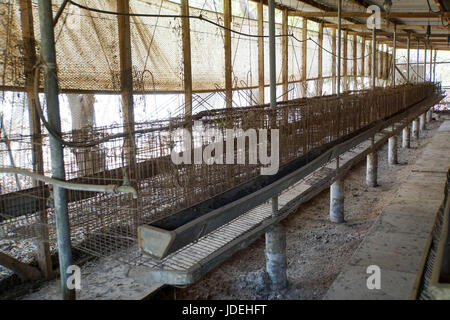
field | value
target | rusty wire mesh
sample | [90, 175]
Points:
[102, 224]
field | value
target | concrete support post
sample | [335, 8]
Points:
[429, 116]
[422, 122]
[337, 188]
[392, 153]
[416, 128]
[406, 138]
[372, 168]
[276, 261]
[337, 201]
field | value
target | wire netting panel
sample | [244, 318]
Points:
[157, 47]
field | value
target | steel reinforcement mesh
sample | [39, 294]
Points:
[102, 224]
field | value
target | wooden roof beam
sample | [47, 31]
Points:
[361, 14]
[399, 26]
[323, 7]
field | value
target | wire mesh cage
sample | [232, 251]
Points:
[102, 223]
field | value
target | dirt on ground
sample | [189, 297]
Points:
[317, 249]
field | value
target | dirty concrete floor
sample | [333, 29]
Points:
[317, 249]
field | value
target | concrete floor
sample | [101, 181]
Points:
[398, 242]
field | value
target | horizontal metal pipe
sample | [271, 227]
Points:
[73, 186]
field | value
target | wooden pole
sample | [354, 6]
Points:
[355, 63]
[425, 65]
[344, 62]
[430, 63]
[320, 62]
[386, 63]
[304, 56]
[434, 66]
[261, 83]
[285, 55]
[394, 57]
[339, 50]
[227, 46]
[126, 76]
[186, 36]
[363, 58]
[29, 51]
[126, 85]
[430, 77]
[370, 59]
[333, 60]
[24, 270]
[380, 63]
[418, 61]
[373, 72]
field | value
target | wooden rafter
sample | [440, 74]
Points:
[361, 14]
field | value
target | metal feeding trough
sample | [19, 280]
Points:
[169, 234]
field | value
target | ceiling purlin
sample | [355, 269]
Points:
[365, 4]
[325, 8]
